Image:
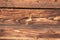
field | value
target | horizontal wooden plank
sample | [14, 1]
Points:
[22, 33]
[30, 3]
[29, 17]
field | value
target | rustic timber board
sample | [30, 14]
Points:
[30, 3]
[32, 23]
[29, 16]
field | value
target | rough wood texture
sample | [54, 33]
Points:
[29, 23]
[27, 16]
[30, 3]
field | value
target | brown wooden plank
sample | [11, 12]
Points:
[28, 16]
[22, 33]
[29, 23]
[30, 3]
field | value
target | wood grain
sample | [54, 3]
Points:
[20, 16]
[30, 3]
[29, 23]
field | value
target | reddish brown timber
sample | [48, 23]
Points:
[22, 33]
[30, 3]
[28, 16]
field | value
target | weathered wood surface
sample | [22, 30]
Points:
[11, 33]
[32, 23]
[27, 16]
[30, 3]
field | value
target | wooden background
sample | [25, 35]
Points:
[45, 22]
[30, 3]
